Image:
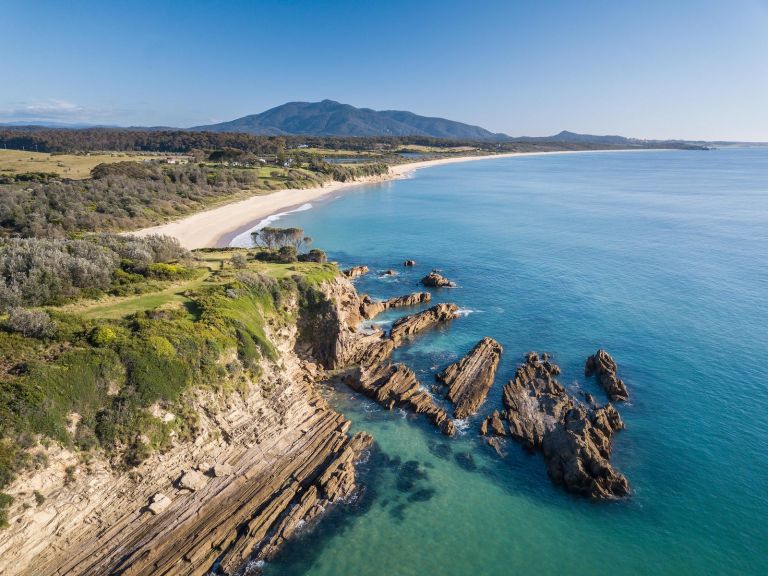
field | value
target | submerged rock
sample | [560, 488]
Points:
[602, 365]
[409, 263]
[355, 271]
[415, 323]
[394, 385]
[575, 439]
[470, 379]
[435, 280]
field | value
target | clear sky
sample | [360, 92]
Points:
[645, 68]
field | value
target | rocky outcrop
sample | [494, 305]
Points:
[370, 308]
[329, 329]
[602, 365]
[394, 385]
[263, 462]
[415, 323]
[493, 425]
[575, 439]
[470, 379]
[435, 280]
[409, 263]
[355, 271]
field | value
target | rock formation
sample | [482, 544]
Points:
[263, 462]
[409, 263]
[470, 379]
[493, 425]
[370, 308]
[415, 323]
[396, 385]
[355, 271]
[435, 280]
[602, 365]
[575, 439]
[389, 272]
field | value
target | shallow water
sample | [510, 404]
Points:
[661, 258]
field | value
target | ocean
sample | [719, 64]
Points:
[659, 257]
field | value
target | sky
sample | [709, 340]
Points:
[695, 69]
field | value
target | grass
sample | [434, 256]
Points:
[74, 166]
[111, 361]
[111, 308]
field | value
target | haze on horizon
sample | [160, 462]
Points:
[654, 69]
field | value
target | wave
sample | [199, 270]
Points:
[243, 240]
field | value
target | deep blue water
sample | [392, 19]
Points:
[659, 257]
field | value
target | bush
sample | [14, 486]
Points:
[314, 255]
[30, 323]
[287, 254]
[239, 260]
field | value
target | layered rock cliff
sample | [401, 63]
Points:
[264, 461]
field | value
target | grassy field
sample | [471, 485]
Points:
[216, 268]
[73, 166]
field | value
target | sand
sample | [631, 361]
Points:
[218, 226]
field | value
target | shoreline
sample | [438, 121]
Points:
[216, 227]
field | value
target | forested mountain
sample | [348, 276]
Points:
[329, 118]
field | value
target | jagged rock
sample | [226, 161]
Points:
[604, 367]
[370, 308]
[396, 385]
[158, 503]
[409, 263]
[409, 325]
[470, 379]
[575, 439]
[220, 469]
[192, 480]
[493, 424]
[435, 280]
[355, 271]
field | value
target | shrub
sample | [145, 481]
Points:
[314, 255]
[102, 336]
[287, 254]
[31, 323]
[239, 260]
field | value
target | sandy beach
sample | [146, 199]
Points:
[217, 226]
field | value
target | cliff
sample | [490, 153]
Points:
[265, 459]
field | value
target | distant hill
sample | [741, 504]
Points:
[329, 118]
[566, 136]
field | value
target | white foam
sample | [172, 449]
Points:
[461, 425]
[243, 240]
[465, 311]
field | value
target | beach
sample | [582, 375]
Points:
[216, 227]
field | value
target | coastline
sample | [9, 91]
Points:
[216, 227]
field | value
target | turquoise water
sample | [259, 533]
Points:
[661, 258]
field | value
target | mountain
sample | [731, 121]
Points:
[566, 136]
[329, 118]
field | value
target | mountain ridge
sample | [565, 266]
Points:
[331, 118]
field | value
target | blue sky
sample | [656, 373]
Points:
[649, 69]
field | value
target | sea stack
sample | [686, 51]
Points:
[602, 365]
[435, 280]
